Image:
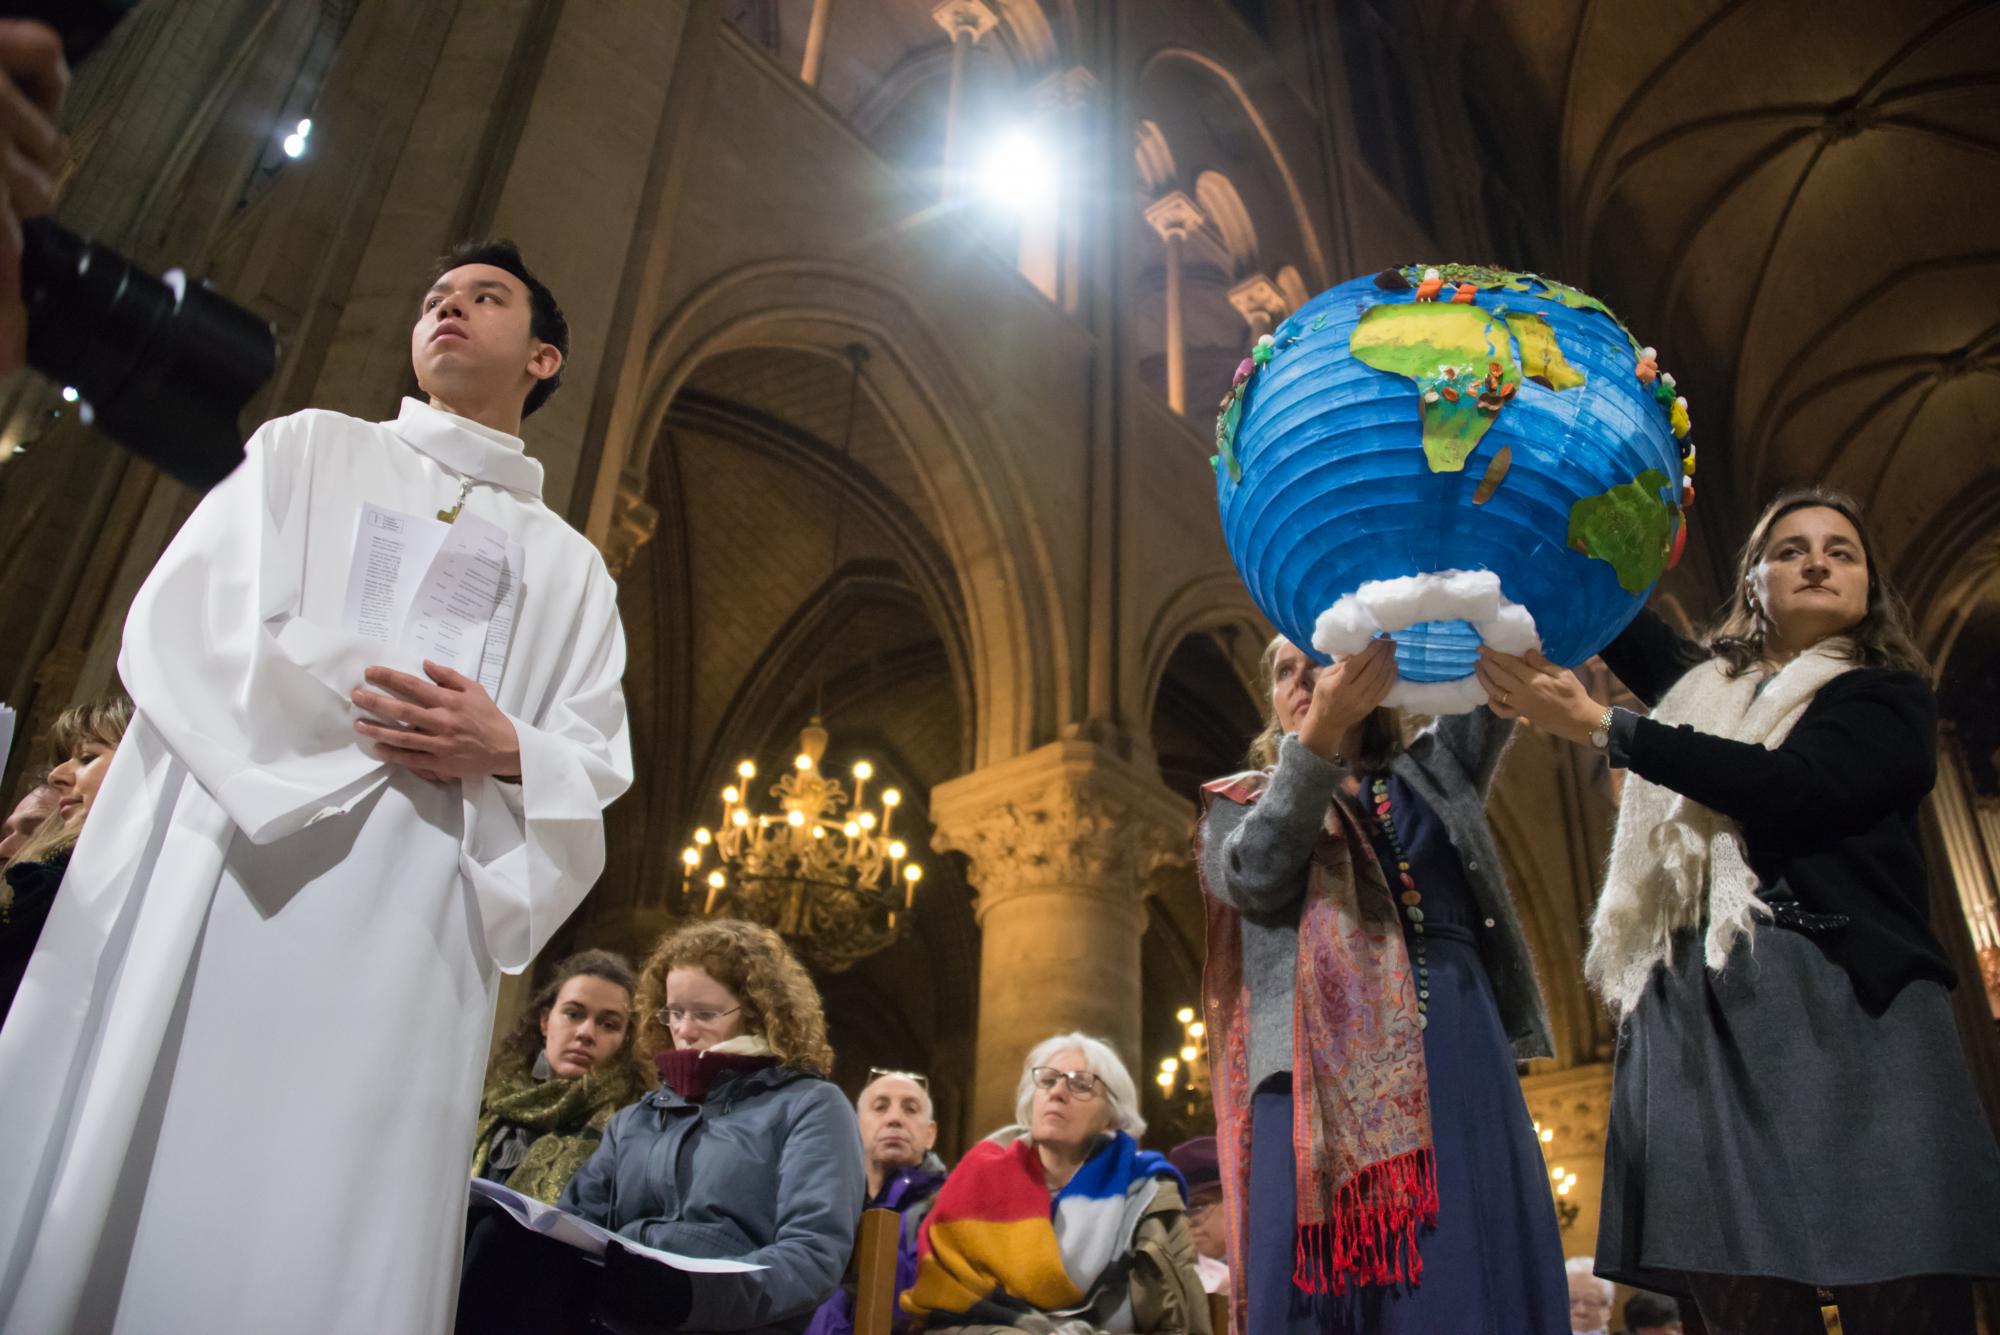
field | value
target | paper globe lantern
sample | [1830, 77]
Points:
[1452, 454]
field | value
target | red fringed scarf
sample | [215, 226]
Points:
[1367, 1174]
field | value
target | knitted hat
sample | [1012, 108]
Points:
[1199, 1164]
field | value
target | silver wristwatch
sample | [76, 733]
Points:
[1600, 736]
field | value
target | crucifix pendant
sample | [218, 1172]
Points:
[451, 515]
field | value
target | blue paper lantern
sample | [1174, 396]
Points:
[1452, 454]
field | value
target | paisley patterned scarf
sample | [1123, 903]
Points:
[563, 1116]
[1367, 1173]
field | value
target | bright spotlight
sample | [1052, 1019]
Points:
[1019, 174]
[295, 145]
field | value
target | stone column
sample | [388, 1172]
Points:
[965, 22]
[1062, 841]
[1259, 302]
[822, 15]
[1052, 239]
[1175, 217]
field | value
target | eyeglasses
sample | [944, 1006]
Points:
[922, 1082]
[1082, 1084]
[673, 1015]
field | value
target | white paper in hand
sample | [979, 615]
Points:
[466, 584]
[585, 1236]
[392, 551]
[445, 592]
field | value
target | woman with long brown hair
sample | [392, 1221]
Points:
[84, 737]
[555, 1080]
[1790, 1108]
[1368, 991]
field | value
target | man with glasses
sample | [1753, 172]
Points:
[898, 1129]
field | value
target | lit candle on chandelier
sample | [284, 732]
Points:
[911, 875]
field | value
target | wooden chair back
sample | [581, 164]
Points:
[875, 1271]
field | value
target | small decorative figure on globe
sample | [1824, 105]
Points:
[1512, 468]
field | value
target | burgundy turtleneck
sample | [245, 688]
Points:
[692, 1073]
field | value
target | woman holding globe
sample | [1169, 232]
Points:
[1790, 1111]
[1367, 992]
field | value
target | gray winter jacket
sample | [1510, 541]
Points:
[767, 1169]
[1254, 860]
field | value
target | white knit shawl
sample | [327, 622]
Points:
[1674, 862]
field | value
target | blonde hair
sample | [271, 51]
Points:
[778, 998]
[1382, 738]
[103, 722]
[1103, 1063]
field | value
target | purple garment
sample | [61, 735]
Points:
[909, 1194]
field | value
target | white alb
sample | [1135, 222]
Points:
[239, 1077]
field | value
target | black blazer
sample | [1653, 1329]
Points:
[1832, 812]
[34, 885]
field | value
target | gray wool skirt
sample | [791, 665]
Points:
[1764, 1123]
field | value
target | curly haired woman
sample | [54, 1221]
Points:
[746, 1152]
[555, 1081]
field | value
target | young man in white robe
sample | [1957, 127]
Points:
[236, 1083]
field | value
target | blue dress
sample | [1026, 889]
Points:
[1493, 1265]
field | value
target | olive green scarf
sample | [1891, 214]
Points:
[568, 1114]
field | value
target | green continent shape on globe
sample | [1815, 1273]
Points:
[1541, 353]
[1450, 351]
[1479, 275]
[1631, 526]
[1488, 277]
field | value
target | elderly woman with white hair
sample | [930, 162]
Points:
[1590, 1297]
[1062, 1223]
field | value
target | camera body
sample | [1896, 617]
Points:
[163, 366]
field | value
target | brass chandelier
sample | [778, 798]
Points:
[1187, 1071]
[819, 867]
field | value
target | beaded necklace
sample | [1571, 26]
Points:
[1412, 898]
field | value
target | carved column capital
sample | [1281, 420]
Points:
[1064, 91]
[1174, 214]
[969, 18]
[1260, 303]
[633, 523]
[1066, 818]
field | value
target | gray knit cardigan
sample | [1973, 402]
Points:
[1450, 764]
